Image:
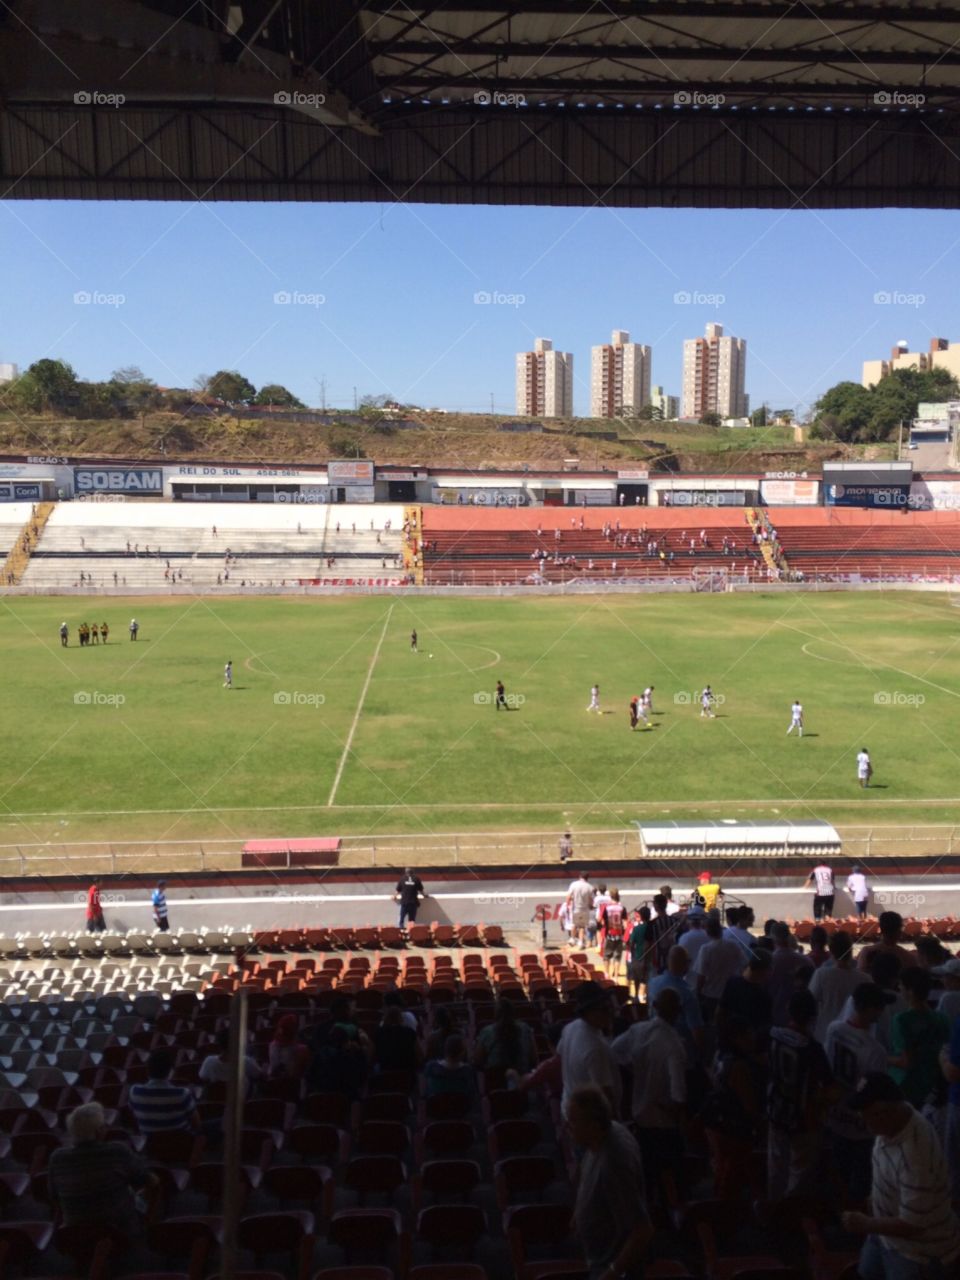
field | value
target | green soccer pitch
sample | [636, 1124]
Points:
[334, 726]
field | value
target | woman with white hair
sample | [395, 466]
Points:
[94, 1179]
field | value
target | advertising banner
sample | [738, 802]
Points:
[789, 493]
[19, 492]
[130, 480]
[353, 471]
[867, 495]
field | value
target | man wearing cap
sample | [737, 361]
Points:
[853, 1051]
[706, 893]
[911, 1230]
[585, 1054]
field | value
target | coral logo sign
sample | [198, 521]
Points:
[88, 480]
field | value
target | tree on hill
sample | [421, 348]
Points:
[46, 384]
[131, 375]
[231, 386]
[856, 414]
[274, 393]
[710, 419]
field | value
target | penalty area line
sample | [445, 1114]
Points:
[356, 718]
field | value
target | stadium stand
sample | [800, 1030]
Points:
[479, 545]
[491, 546]
[156, 546]
[378, 1178]
[844, 545]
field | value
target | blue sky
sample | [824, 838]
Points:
[398, 284]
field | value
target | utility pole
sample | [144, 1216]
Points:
[355, 404]
[492, 410]
[323, 392]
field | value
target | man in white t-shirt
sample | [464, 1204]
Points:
[586, 1057]
[831, 984]
[858, 891]
[853, 1050]
[672, 908]
[654, 1052]
[718, 960]
[911, 1229]
[580, 898]
[864, 767]
[820, 880]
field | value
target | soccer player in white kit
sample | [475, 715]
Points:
[228, 676]
[864, 767]
[594, 698]
[796, 718]
[647, 700]
[706, 704]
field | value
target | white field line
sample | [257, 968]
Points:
[356, 718]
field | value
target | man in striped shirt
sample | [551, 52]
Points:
[912, 1232]
[159, 1105]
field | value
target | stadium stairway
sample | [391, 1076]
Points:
[15, 565]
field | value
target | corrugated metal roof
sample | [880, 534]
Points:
[715, 103]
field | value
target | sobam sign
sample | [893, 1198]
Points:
[87, 480]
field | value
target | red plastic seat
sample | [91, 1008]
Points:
[512, 1138]
[328, 1108]
[447, 1137]
[291, 1232]
[541, 1229]
[373, 1175]
[444, 1179]
[383, 1137]
[446, 1106]
[447, 1271]
[522, 1176]
[174, 1146]
[504, 1104]
[311, 1183]
[457, 1226]
[354, 1273]
[368, 1231]
[319, 1142]
[385, 1106]
[20, 1242]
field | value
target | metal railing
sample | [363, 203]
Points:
[464, 850]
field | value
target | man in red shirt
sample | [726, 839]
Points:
[95, 920]
[613, 924]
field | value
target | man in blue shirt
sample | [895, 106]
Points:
[159, 900]
[689, 1024]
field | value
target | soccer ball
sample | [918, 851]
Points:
[431, 655]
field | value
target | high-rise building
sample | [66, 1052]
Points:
[714, 371]
[940, 356]
[8, 372]
[545, 381]
[619, 377]
[669, 406]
